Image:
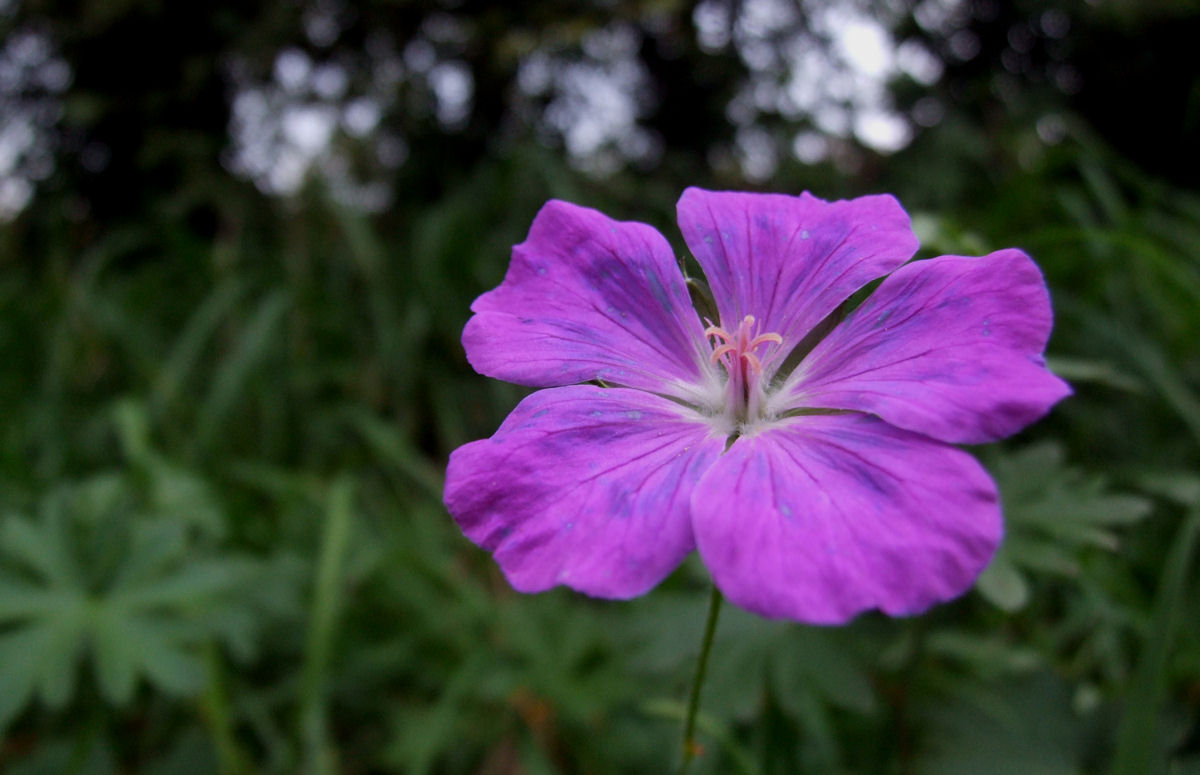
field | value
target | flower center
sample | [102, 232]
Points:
[738, 352]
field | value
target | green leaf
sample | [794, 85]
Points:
[989, 655]
[116, 656]
[1157, 366]
[20, 599]
[1053, 514]
[60, 650]
[1025, 727]
[154, 547]
[102, 573]
[184, 357]
[1003, 585]
[823, 661]
[1077, 370]
[1182, 487]
[1138, 736]
[339, 522]
[171, 662]
[398, 450]
[87, 754]
[256, 340]
[40, 547]
[18, 669]
[193, 583]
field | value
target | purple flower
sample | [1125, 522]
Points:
[816, 481]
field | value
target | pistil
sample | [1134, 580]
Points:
[739, 353]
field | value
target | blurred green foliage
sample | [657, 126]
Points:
[222, 544]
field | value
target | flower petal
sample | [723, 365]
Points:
[950, 347]
[584, 486]
[585, 298]
[790, 261]
[826, 516]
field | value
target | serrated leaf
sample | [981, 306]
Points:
[115, 656]
[177, 494]
[142, 604]
[21, 600]
[97, 497]
[1085, 505]
[1080, 533]
[989, 655]
[18, 652]
[171, 665]
[154, 548]
[187, 585]
[237, 628]
[1183, 487]
[60, 650]
[1041, 554]
[40, 548]
[1053, 512]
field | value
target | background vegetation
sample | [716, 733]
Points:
[231, 378]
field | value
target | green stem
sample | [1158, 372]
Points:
[689, 727]
[217, 715]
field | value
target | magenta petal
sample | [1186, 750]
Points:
[586, 298]
[826, 516]
[584, 486]
[950, 347]
[789, 261]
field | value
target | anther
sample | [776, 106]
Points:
[737, 352]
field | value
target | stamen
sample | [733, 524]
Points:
[738, 352]
[722, 350]
[717, 332]
[763, 339]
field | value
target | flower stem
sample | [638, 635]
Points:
[690, 749]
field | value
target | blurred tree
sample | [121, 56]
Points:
[164, 99]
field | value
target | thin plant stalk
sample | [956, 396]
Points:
[690, 749]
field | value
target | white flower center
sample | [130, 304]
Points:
[740, 352]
